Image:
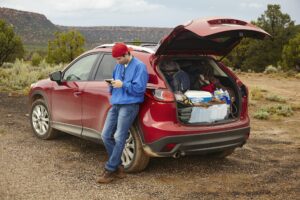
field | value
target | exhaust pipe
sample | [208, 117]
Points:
[176, 155]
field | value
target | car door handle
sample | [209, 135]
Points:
[76, 94]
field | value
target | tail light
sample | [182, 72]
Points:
[163, 95]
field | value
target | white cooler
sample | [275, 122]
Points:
[210, 114]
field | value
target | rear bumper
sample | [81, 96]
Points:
[199, 143]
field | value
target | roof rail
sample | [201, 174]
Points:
[134, 47]
[140, 42]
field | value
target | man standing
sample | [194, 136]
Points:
[127, 89]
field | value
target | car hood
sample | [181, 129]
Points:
[210, 36]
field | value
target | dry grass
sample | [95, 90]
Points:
[256, 93]
[20, 75]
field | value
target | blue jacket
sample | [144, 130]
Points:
[134, 78]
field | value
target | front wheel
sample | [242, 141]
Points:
[40, 120]
[134, 158]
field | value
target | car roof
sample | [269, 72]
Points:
[133, 47]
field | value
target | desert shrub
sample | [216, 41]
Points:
[274, 111]
[22, 75]
[256, 93]
[3, 74]
[7, 65]
[276, 98]
[297, 75]
[270, 69]
[281, 110]
[290, 73]
[261, 114]
[295, 106]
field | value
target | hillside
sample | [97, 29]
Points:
[35, 30]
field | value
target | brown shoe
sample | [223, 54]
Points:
[106, 177]
[120, 173]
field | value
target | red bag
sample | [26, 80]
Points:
[208, 88]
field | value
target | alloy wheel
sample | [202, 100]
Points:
[129, 151]
[40, 119]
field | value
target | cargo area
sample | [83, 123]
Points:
[204, 93]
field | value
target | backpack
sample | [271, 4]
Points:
[180, 81]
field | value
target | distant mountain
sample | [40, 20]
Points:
[35, 30]
[106, 34]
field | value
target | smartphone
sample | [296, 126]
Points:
[109, 80]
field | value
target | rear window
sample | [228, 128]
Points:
[106, 67]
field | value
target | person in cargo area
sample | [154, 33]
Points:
[127, 89]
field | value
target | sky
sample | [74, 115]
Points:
[147, 13]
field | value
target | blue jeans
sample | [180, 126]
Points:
[115, 132]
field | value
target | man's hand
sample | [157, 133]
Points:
[117, 84]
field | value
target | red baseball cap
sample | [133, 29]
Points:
[119, 49]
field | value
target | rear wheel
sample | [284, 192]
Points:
[40, 120]
[134, 158]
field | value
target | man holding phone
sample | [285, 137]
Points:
[127, 90]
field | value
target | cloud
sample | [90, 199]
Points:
[252, 5]
[50, 6]
[77, 5]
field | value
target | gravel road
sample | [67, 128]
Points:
[67, 167]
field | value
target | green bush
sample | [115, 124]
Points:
[36, 59]
[11, 46]
[291, 53]
[65, 47]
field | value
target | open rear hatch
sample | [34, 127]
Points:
[203, 37]
[208, 37]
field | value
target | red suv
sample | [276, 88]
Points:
[76, 99]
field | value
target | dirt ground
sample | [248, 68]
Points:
[267, 167]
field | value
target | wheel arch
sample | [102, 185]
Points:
[38, 95]
[139, 130]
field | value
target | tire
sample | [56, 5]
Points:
[134, 158]
[221, 154]
[40, 120]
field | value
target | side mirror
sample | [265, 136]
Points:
[56, 76]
